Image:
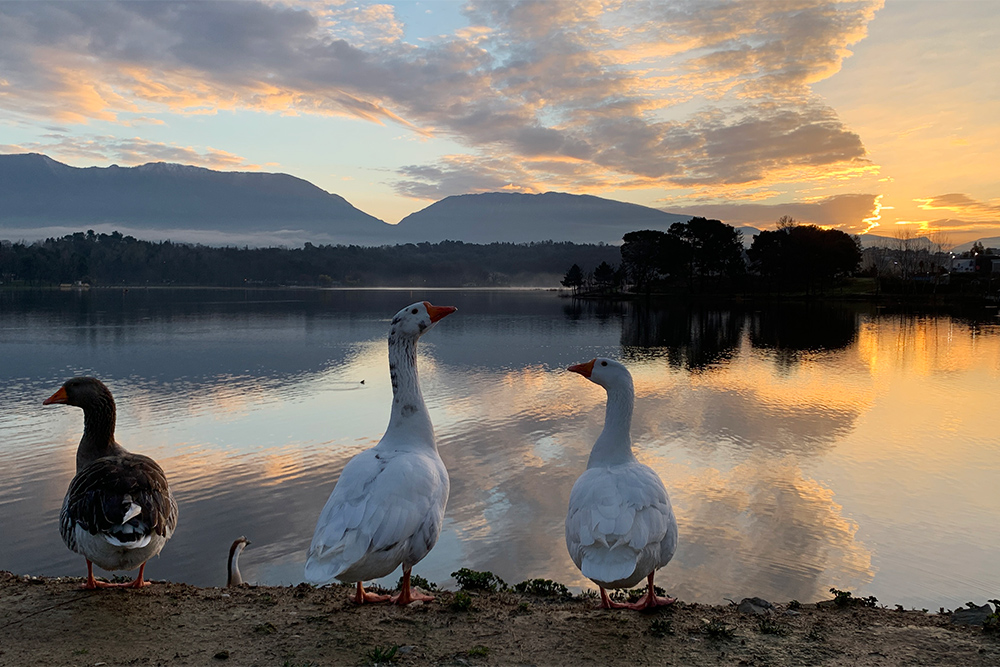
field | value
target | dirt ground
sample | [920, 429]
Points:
[50, 621]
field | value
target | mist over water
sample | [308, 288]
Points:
[804, 446]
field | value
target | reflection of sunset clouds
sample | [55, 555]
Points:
[762, 528]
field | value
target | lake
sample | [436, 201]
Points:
[804, 446]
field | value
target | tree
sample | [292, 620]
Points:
[711, 247]
[805, 255]
[573, 278]
[642, 257]
[604, 275]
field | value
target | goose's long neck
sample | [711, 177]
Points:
[614, 445]
[409, 421]
[98, 432]
[235, 578]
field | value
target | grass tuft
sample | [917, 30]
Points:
[844, 599]
[471, 580]
[381, 655]
[542, 588]
[462, 601]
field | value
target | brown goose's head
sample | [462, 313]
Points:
[81, 392]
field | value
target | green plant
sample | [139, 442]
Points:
[382, 655]
[633, 594]
[768, 626]
[845, 599]
[419, 582]
[589, 594]
[794, 604]
[542, 587]
[478, 652]
[471, 580]
[992, 623]
[716, 629]
[461, 602]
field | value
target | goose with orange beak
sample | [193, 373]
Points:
[620, 527]
[387, 508]
[119, 510]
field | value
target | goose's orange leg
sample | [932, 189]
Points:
[405, 595]
[361, 596]
[91, 583]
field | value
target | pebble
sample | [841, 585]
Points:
[755, 606]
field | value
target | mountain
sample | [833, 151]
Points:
[986, 242]
[39, 192]
[519, 218]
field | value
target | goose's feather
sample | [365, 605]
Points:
[116, 505]
[620, 525]
[386, 509]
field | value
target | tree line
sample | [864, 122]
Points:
[704, 255]
[117, 259]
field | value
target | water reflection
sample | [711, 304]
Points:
[796, 442]
[689, 337]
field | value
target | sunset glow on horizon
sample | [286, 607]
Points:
[866, 116]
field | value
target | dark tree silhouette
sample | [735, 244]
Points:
[711, 248]
[642, 257]
[605, 275]
[804, 255]
[573, 278]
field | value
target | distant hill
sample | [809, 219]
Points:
[39, 192]
[988, 242]
[520, 218]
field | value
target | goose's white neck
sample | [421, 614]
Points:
[409, 422]
[614, 445]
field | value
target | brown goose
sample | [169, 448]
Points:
[118, 511]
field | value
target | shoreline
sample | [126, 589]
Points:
[49, 620]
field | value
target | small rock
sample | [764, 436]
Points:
[404, 649]
[972, 615]
[792, 612]
[222, 655]
[755, 606]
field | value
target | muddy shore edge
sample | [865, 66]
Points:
[50, 621]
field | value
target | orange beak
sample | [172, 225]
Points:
[583, 369]
[438, 312]
[58, 397]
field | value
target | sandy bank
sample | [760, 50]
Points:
[45, 621]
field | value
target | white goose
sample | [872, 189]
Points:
[387, 508]
[118, 511]
[620, 527]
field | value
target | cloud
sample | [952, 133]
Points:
[531, 84]
[841, 211]
[960, 203]
[129, 151]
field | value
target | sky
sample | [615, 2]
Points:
[866, 116]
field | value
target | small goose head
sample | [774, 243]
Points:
[417, 319]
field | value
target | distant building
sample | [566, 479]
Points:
[959, 265]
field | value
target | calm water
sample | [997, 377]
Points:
[803, 448]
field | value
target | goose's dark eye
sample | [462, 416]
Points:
[414, 311]
[604, 363]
